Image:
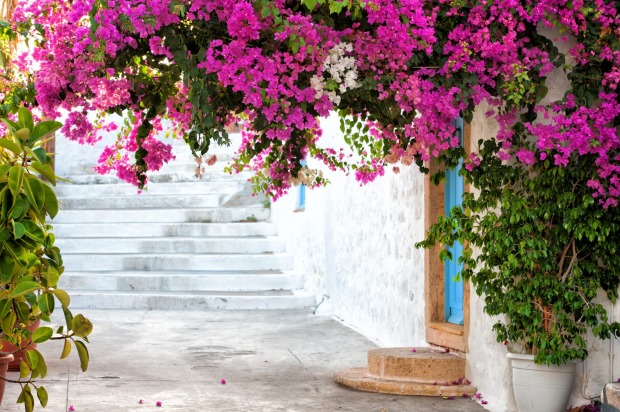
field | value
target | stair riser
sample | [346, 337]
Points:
[142, 202]
[122, 301]
[172, 283]
[158, 215]
[177, 262]
[238, 246]
[198, 187]
[123, 230]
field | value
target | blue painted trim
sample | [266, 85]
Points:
[453, 196]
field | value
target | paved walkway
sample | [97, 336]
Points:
[272, 361]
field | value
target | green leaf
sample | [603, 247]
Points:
[28, 399]
[51, 201]
[34, 191]
[33, 231]
[66, 350]
[25, 287]
[42, 334]
[81, 326]
[23, 134]
[44, 170]
[63, 297]
[46, 303]
[24, 118]
[7, 266]
[42, 395]
[32, 357]
[52, 276]
[310, 4]
[8, 323]
[18, 230]
[40, 154]
[24, 369]
[83, 354]
[9, 145]
[42, 129]
[16, 176]
[5, 306]
[42, 366]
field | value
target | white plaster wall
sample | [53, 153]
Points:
[356, 246]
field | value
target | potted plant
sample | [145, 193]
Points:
[537, 247]
[30, 263]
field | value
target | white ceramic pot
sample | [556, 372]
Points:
[540, 387]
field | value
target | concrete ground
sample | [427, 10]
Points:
[271, 361]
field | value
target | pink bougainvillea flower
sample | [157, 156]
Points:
[141, 401]
[413, 350]
[484, 402]
[71, 408]
[211, 161]
[223, 381]
[478, 395]
[158, 403]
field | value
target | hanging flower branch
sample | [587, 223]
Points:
[401, 70]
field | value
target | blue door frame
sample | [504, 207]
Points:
[453, 189]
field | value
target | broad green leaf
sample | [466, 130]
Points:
[16, 176]
[23, 134]
[52, 276]
[29, 401]
[18, 230]
[81, 326]
[32, 357]
[44, 128]
[40, 154]
[68, 317]
[34, 191]
[42, 334]
[24, 118]
[42, 395]
[8, 323]
[4, 235]
[51, 201]
[9, 145]
[7, 267]
[46, 303]
[6, 203]
[33, 231]
[310, 4]
[23, 312]
[42, 366]
[44, 170]
[5, 306]
[66, 350]
[64, 299]
[25, 287]
[20, 205]
[83, 354]
[24, 369]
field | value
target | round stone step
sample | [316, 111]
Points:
[424, 365]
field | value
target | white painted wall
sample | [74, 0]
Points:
[356, 246]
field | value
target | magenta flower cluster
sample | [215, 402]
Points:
[280, 63]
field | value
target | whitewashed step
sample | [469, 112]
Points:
[192, 188]
[142, 202]
[148, 216]
[153, 229]
[182, 281]
[171, 245]
[174, 262]
[192, 300]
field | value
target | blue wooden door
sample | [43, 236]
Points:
[454, 188]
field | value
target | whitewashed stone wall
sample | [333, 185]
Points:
[356, 244]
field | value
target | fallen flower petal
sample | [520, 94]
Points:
[141, 401]
[484, 402]
[158, 403]
[413, 350]
[71, 408]
[223, 381]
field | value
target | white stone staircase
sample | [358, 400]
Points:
[185, 243]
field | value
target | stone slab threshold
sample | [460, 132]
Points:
[410, 371]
